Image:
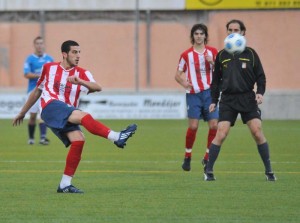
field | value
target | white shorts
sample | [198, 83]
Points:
[36, 108]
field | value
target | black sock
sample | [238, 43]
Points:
[212, 157]
[31, 129]
[264, 153]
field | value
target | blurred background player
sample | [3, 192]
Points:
[32, 70]
[236, 75]
[194, 74]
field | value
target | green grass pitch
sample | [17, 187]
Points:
[145, 182]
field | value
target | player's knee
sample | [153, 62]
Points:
[80, 137]
[258, 136]
[76, 136]
[32, 120]
[214, 127]
[220, 137]
[76, 116]
[193, 128]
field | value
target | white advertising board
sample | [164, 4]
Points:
[11, 104]
[125, 106]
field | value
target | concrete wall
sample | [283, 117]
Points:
[108, 51]
[108, 47]
[283, 105]
[274, 35]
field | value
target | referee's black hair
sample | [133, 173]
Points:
[242, 26]
[66, 46]
[203, 28]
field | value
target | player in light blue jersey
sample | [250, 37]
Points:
[32, 69]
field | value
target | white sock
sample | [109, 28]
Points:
[65, 181]
[188, 150]
[113, 136]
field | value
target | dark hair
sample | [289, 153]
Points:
[37, 38]
[66, 46]
[242, 26]
[203, 28]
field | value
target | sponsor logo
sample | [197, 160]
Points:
[210, 2]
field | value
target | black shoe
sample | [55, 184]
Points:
[204, 163]
[44, 141]
[270, 176]
[124, 135]
[209, 177]
[186, 164]
[69, 189]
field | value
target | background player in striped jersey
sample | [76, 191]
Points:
[32, 71]
[194, 74]
[59, 87]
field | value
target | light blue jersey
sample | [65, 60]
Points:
[34, 64]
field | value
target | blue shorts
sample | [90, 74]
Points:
[56, 115]
[198, 106]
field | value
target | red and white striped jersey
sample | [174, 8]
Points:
[54, 85]
[197, 69]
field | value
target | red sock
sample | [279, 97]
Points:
[73, 158]
[211, 135]
[189, 141]
[94, 127]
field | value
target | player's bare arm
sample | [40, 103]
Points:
[180, 78]
[92, 86]
[32, 76]
[33, 97]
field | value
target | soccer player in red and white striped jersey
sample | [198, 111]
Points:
[194, 74]
[55, 85]
[59, 87]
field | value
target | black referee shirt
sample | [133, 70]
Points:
[237, 74]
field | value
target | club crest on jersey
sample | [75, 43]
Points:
[244, 65]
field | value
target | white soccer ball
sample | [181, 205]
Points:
[235, 43]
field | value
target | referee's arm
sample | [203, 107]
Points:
[216, 82]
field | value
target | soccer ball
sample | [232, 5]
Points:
[235, 43]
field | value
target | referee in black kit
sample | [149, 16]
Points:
[236, 75]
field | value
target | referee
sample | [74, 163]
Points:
[235, 75]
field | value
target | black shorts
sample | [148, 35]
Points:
[244, 104]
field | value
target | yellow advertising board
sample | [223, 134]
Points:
[241, 4]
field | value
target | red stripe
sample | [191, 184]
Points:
[45, 76]
[197, 69]
[47, 82]
[186, 66]
[207, 69]
[42, 77]
[77, 96]
[57, 80]
[68, 88]
[44, 103]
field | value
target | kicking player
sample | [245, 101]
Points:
[59, 86]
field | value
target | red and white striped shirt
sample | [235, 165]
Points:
[54, 85]
[197, 69]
